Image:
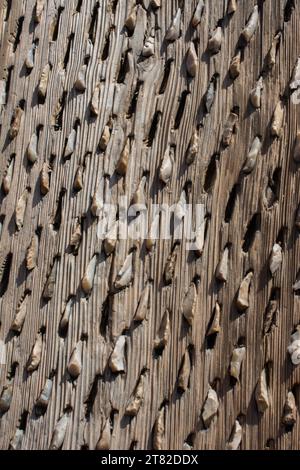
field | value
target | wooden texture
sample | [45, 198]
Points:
[155, 103]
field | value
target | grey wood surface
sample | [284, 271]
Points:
[76, 94]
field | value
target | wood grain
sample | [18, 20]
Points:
[155, 103]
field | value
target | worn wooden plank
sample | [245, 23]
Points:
[154, 105]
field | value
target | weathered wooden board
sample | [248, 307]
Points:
[150, 103]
